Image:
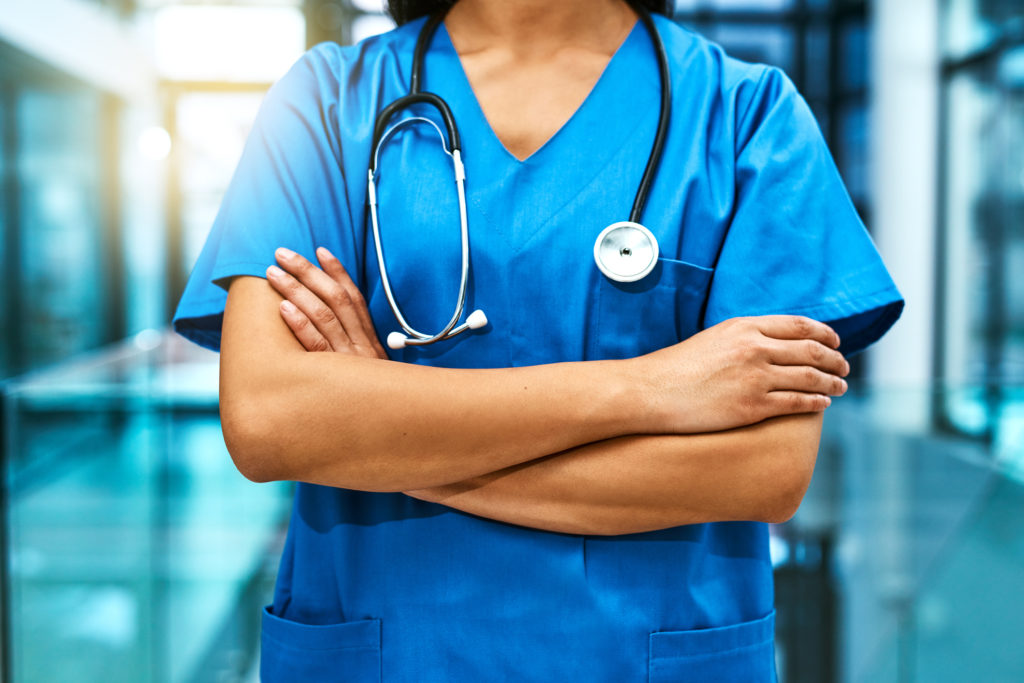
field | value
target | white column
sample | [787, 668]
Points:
[905, 78]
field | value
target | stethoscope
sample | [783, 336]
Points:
[625, 251]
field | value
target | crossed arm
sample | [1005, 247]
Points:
[724, 426]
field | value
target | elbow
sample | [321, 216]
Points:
[249, 435]
[788, 456]
[787, 487]
[783, 504]
[266, 446]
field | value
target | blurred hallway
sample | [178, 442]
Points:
[133, 549]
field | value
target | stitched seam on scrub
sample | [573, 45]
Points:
[304, 648]
[716, 653]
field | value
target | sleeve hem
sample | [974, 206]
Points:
[846, 308]
[830, 311]
[201, 321]
[887, 305]
[223, 271]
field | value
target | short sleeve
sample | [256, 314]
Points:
[795, 244]
[287, 191]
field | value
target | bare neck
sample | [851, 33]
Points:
[538, 27]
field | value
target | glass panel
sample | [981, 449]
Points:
[855, 54]
[144, 164]
[138, 552]
[768, 44]
[6, 339]
[972, 25]
[984, 194]
[734, 5]
[924, 544]
[60, 190]
[853, 146]
[903, 562]
[960, 625]
[816, 63]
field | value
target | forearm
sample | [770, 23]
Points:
[377, 425]
[642, 483]
[352, 420]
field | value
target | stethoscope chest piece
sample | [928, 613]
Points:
[626, 251]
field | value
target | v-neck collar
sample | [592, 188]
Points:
[478, 111]
[614, 126]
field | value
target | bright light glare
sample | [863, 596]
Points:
[369, 5]
[224, 43]
[370, 25]
[155, 143]
[147, 340]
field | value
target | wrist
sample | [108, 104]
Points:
[627, 394]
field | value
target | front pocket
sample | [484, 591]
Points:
[290, 651]
[634, 318]
[742, 652]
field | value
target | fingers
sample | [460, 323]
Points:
[328, 299]
[333, 267]
[806, 379]
[330, 293]
[808, 352]
[303, 329]
[797, 327]
[794, 402]
[310, 305]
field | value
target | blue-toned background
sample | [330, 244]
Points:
[133, 551]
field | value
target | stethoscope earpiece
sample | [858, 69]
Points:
[476, 320]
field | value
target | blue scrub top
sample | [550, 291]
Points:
[751, 217]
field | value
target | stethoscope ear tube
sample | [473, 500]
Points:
[412, 337]
[406, 101]
[383, 130]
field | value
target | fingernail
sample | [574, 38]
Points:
[283, 253]
[828, 401]
[323, 253]
[274, 271]
[845, 386]
[288, 306]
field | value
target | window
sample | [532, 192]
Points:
[823, 46]
[60, 253]
[980, 325]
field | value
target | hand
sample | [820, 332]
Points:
[323, 308]
[742, 371]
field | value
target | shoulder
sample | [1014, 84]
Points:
[698, 63]
[326, 70]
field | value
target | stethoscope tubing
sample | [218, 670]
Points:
[664, 116]
[420, 338]
[382, 130]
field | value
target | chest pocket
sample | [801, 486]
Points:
[634, 318]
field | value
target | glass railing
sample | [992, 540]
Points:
[905, 562]
[136, 552]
